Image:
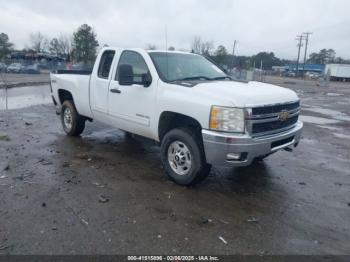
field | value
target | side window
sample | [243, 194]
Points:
[105, 64]
[136, 61]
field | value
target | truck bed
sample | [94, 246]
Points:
[75, 82]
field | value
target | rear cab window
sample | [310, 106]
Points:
[105, 64]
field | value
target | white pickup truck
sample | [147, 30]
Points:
[198, 114]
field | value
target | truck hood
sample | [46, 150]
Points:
[246, 94]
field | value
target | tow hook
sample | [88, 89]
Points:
[288, 149]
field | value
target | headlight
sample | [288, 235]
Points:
[227, 119]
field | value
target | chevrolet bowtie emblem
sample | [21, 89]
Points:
[283, 116]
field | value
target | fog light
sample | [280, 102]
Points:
[233, 156]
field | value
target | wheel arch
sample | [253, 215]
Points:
[169, 120]
[64, 95]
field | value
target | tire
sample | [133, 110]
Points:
[73, 123]
[183, 157]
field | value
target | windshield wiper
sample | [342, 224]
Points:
[192, 78]
[222, 78]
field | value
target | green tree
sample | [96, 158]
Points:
[340, 60]
[5, 45]
[324, 56]
[268, 60]
[54, 47]
[221, 55]
[84, 44]
[240, 62]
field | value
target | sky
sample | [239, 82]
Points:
[257, 25]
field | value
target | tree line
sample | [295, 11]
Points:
[82, 46]
[265, 59]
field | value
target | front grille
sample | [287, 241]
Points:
[273, 125]
[265, 110]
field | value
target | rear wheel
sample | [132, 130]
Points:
[183, 157]
[73, 123]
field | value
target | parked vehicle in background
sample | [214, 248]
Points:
[338, 72]
[15, 68]
[82, 67]
[307, 74]
[315, 76]
[3, 67]
[312, 75]
[290, 74]
[198, 115]
[31, 69]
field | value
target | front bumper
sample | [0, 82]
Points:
[219, 146]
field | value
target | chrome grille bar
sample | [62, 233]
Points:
[255, 122]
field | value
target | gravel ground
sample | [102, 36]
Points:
[106, 192]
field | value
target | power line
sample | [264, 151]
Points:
[299, 45]
[306, 34]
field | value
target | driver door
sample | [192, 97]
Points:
[131, 107]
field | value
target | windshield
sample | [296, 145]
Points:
[176, 66]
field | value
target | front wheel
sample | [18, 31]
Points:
[73, 123]
[183, 157]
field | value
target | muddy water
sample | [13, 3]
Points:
[318, 120]
[330, 113]
[25, 96]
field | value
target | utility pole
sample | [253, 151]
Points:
[306, 34]
[6, 90]
[233, 52]
[300, 39]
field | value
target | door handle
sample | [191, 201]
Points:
[114, 90]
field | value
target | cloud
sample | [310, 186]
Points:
[269, 25]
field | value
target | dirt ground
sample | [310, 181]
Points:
[106, 192]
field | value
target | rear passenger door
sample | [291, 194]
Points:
[99, 86]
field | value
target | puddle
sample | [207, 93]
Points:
[318, 120]
[329, 112]
[334, 94]
[309, 141]
[333, 128]
[22, 97]
[341, 136]
[105, 134]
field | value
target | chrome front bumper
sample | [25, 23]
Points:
[218, 146]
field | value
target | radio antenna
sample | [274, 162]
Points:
[166, 37]
[166, 52]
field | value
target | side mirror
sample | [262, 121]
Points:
[125, 75]
[146, 80]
